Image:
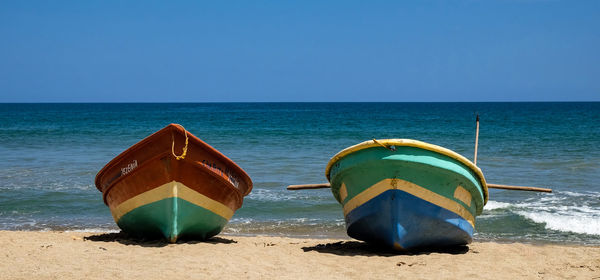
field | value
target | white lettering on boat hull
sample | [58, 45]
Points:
[130, 167]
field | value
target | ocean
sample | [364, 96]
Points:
[50, 154]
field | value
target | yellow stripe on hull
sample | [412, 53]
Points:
[170, 190]
[415, 144]
[413, 189]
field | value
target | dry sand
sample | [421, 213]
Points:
[75, 255]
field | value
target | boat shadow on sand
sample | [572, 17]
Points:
[127, 239]
[358, 248]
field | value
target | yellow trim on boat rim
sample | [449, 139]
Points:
[412, 189]
[169, 190]
[410, 143]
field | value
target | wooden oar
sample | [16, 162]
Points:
[476, 139]
[308, 186]
[498, 186]
[491, 186]
[518, 188]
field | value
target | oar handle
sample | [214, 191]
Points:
[518, 188]
[491, 186]
[308, 186]
[476, 139]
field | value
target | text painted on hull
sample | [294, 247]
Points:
[130, 167]
[225, 173]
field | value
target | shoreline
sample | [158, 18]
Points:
[340, 237]
[101, 255]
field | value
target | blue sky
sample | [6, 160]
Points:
[223, 51]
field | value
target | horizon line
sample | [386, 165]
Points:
[232, 102]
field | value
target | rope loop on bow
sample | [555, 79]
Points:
[182, 156]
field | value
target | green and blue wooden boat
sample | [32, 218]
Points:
[405, 193]
[152, 191]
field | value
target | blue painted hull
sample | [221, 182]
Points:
[403, 221]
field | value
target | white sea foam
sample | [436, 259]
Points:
[94, 230]
[260, 194]
[491, 205]
[266, 195]
[569, 211]
[564, 211]
[588, 224]
[242, 220]
[586, 194]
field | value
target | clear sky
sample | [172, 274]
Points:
[207, 51]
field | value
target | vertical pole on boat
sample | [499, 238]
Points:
[476, 139]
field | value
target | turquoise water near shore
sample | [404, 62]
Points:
[50, 154]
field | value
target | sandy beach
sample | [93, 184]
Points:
[76, 255]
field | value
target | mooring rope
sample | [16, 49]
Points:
[182, 156]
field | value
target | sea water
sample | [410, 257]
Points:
[50, 154]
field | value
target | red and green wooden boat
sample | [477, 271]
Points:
[152, 191]
[405, 193]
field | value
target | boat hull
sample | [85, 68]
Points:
[408, 197]
[151, 192]
[172, 211]
[403, 221]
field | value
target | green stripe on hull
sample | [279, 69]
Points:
[436, 172]
[172, 218]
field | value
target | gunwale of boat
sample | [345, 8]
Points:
[224, 182]
[409, 143]
[192, 138]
